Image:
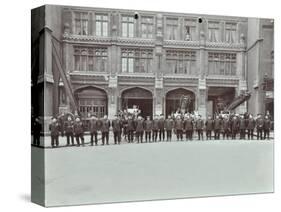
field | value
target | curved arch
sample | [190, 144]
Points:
[134, 87]
[177, 88]
[85, 87]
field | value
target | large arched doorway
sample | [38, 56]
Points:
[174, 98]
[139, 97]
[91, 101]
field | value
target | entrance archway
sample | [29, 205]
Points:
[173, 100]
[91, 101]
[140, 97]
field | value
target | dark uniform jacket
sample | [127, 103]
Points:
[178, 124]
[155, 124]
[188, 124]
[116, 125]
[235, 124]
[225, 124]
[105, 124]
[199, 124]
[68, 126]
[217, 124]
[209, 124]
[161, 124]
[251, 123]
[54, 128]
[242, 124]
[267, 124]
[94, 126]
[148, 125]
[260, 123]
[78, 127]
[131, 125]
[36, 128]
[139, 126]
[169, 124]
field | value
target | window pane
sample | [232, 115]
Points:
[124, 29]
[98, 28]
[124, 64]
[130, 65]
[131, 30]
[104, 28]
[77, 62]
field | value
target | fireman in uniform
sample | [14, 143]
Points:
[79, 131]
[68, 131]
[226, 127]
[161, 127]
[266, 127]
[217, 127]
[139, 129]
[155, 128]
[169, 125]
[199, 124]
[105, 125]
[259, 125]
[234, 126]
[130, 129]
[242, 127]
[94, 127]
[54, 127]
[250, 126]
[117, 128]
[179, 127]
[188, 127]
[209, 127]
[148, 129]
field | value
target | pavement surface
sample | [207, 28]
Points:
[162, 170]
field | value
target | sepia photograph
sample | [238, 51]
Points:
[135, 105]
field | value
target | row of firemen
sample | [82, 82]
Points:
[159, 129]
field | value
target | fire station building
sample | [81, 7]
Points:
[99, 61]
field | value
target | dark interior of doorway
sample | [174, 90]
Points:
[145, 105]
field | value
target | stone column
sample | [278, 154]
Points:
[202, 98]
[112, 97]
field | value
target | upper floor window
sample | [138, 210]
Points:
[172, 29]
[81, 23]
[90, 59]
[136, 61]
[128, 26]
[230, 32]
[213, 31]
[190, 29]
[221, 63]
[146, 27]
[181, 62]
[101, 25]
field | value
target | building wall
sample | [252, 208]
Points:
[159, 80]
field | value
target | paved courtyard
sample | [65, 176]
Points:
[163, 170]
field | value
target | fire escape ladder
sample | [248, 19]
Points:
[63, 76]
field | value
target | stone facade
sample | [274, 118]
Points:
[113, 51]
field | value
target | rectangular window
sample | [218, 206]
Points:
[101, 25]
[90, 59]
[172, 29]
[81, 23]
[181, 62]
[136, 61]
[230, 32]
[190, 29]
[213, 31]
[128, 26]
[147, 27]
[222, 64]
